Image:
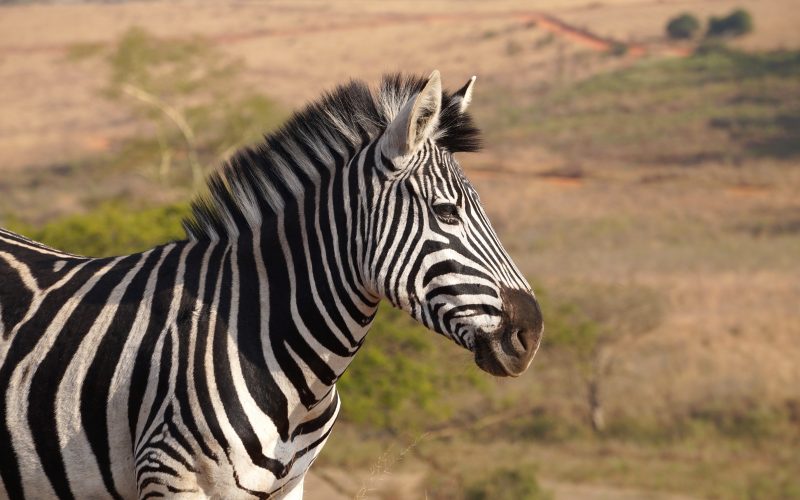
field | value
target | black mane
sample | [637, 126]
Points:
[256, 180]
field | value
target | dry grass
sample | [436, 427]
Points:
[51, 108]
[717, 243]
[731, 293]
[775, 20]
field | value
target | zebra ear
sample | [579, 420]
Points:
[416, 120]
[463, 96]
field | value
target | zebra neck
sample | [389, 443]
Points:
[313, 309]
[302, 305]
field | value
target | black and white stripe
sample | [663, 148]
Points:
[207, 367]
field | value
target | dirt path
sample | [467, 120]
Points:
[547, 22]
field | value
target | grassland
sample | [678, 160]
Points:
[653, 205]
[670, 275]
[719, 105]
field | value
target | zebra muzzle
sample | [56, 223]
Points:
[509, 350]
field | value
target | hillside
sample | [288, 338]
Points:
[650, 198]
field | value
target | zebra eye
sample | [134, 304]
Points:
[447, 213]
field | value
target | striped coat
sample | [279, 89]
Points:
[206, 368]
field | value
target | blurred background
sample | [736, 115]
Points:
[642, 166]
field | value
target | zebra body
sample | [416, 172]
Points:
[206, 368]
[153, 365]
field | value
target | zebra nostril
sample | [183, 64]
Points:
[523, 340]
[524, 324]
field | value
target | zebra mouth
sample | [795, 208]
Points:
[507, 352]
[490, 360]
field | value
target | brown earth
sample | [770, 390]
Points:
[717, 244]
[52, 112]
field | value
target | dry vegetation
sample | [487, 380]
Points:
[652, 200]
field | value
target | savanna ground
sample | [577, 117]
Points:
[649, 195]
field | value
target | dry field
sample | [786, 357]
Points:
[52, 112]
[716, 244]
[644, 20]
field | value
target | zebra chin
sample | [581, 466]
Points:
[509, 350]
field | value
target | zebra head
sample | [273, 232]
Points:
[435, 254]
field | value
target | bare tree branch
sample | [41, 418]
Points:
[177, 118]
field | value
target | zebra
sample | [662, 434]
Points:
[206, 368]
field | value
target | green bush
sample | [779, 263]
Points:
[401, 375]
[729, 420]
[619, 49]
[737, 23]
[498, 483]
[111, 229]
[545, 425]
[192, 95]
[199, 81]
[518, 483]
[591, 314]
[683, 27]
[768, 487]
[743, 421]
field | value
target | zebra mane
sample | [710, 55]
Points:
[255, 182]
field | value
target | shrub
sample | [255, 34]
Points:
[400, 378]
[711, 47]
[192, 95]
[545, 425]
[619, 49]
[683, 26]
[591, 324]
[744, 421]
[500, 483]
[111, 229]
[513, 47]
[767, 486]
[517, 483]
[728, 420]
[544, 41]
[737, 23]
